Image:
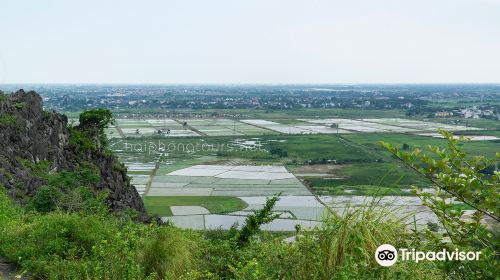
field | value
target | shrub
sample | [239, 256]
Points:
[45, 199]
[73, 246]
[19, 105]
[8, 119]
[81, 140]
[278, 151]
[254, 221]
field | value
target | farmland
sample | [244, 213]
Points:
[208, 173]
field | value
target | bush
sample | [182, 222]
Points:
[73, 246]
[278, 151]
[81, 140]
[46, 199]
[19, 105]
[8, 119]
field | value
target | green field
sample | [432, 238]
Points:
[160, 205]
[322, 148]
[372, 169]
[371, 140]
[311, 112]
[368, 179]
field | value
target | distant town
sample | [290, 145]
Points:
[430, 101]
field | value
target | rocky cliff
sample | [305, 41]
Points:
[30, 136]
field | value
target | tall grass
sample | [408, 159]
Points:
[347, 242]
[170, 254]
[343, 247]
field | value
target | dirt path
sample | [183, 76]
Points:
[150, 181]
[191, 128]
[265, 128]
[120, 131]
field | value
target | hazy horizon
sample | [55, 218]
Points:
[260, 42]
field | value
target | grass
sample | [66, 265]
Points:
[370, 140]
[312, 113]
[368, 179]
[480, 132]
[342, 248]
[367, 190]
[160, 205]
[304, 148]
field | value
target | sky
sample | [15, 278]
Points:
[252, 41]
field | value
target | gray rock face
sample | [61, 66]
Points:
[29, 134]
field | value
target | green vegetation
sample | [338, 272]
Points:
[282, 115]
[311, 149]
[456, 176]
[69, 190]
[60, 245]
[82, 140]
[19, 105]
[8, 119]
[371, 141]
[99, 118]
[160, 205]
[89, 134]
[46, 199]
[254, 221]
[459, 207]
[368, 179]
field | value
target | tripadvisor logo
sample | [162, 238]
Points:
[387, 255]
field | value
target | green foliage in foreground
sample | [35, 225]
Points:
[457, 177]
[254, 221]
[82, 245]
[160, 205]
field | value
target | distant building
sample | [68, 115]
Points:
[443, 114]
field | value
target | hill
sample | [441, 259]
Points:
[42, 155]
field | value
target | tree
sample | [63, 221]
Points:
[99, 118]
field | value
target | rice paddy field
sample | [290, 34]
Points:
[212, 173]
[225, 127]
[248, 127]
